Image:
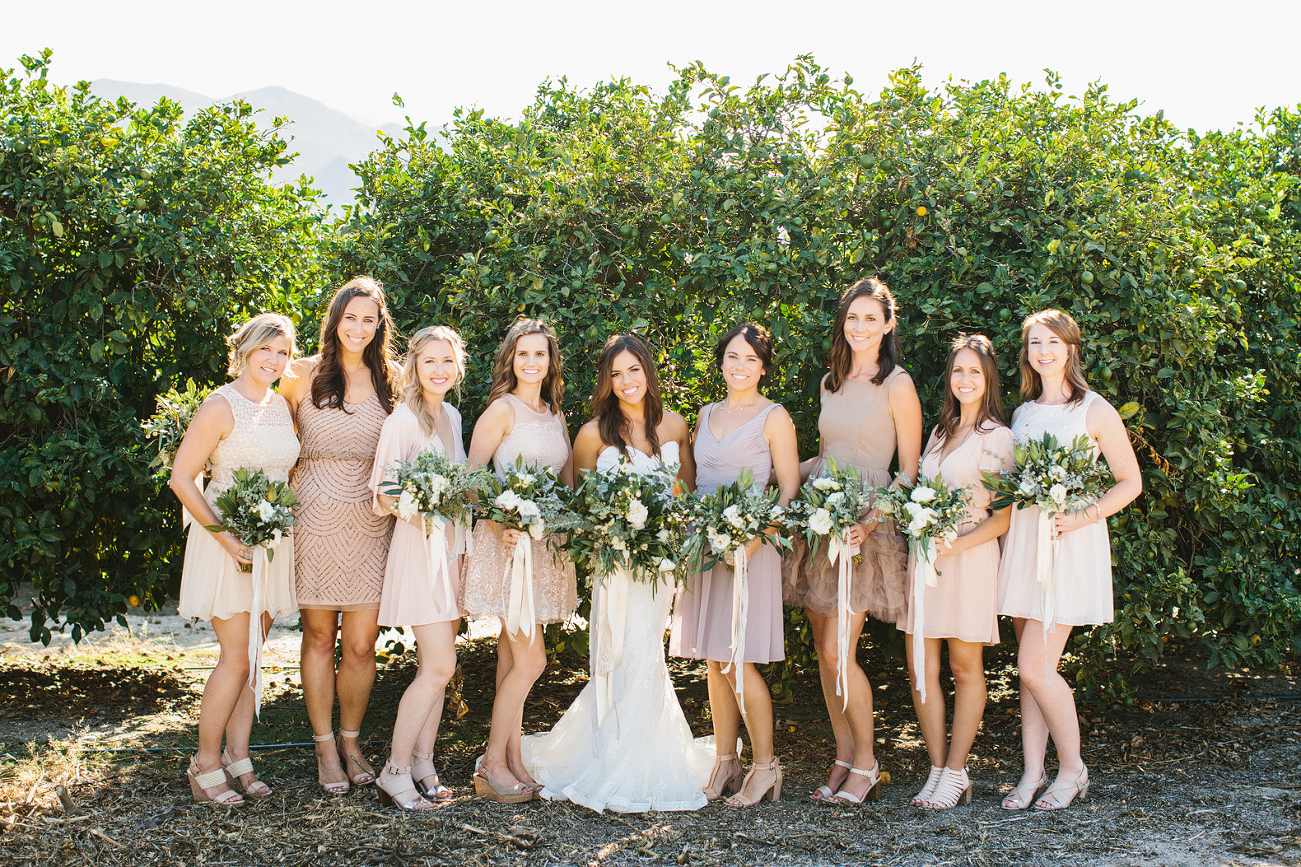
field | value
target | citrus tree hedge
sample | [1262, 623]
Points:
[129, 242]
[680, 213]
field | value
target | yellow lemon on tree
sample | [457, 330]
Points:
[921, 210]
[133, 601]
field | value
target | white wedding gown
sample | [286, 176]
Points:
[624, 744]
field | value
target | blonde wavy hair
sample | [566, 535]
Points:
[413, 394]
[256, 333]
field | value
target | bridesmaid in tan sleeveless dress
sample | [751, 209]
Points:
[745, 431]
[870, 410]
[241, 425]
[523, 418]
[340, 399]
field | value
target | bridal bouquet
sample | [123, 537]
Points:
[176, 410]
[257, 510]
[1050, 476]
[928, 513]
[726, 520]
[629, 520]
[829, 506]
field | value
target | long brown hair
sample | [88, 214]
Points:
[841, 359]
[413, 393]
[610, 420]
[329, 384]
[1065, 327]
[503, 370]
[991, 405]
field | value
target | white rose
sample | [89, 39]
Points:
[667, 565]
[617, 544]
[720, 541]
[1058, 472]
[664, 535]
[508, 500]
[265, 510]
[884, 505]
[732, 515]
[438, 484]
[833, 499]
[529, 509]
[527, 479]
[921, 519]
[538, 528]
[276, 536]
[1058, 494]
[923, 494]
[1028, 487]
[820, 522]
[407, 507]
[825, 484]
[637, 514]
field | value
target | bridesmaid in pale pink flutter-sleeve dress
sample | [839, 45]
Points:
[524, 419]
[340, 400]
[242, 425]
[870, 413]
[745, 431]
[421, 594]
[970, 439]
[1058, 401]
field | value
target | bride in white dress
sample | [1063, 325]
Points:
[624, 744]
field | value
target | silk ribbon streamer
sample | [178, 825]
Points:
[840, 553]
[440, 576]
[740, 614]
[255, 638]
[609, 618]
[924, 575]
[1046, 549]
[520, 616]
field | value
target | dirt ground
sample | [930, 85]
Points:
[1203, 769]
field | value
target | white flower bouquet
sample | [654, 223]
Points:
[828, 507]
[724, 521]
[176, 410]
[529, 499]
[1053, 477]
[631, 521]
[435, 485]
[256, 510]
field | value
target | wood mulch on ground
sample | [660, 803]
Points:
[1204, 768]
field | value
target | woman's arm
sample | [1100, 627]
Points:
[676, 430]
[587, 448]
[211, 424]
[906, 410]
[779, 431]
[489, 431]
[1104, 425]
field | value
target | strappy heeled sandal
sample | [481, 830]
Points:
[824, 793]
[394, 787]
[234, 770]
[201, 780]
[486, 787]
[873, 792]
[365, 773]
[773, 792]
[730, 782]
[1052, 799]
[932, 780]
[954, 788]
[330, 787]
[422, 772]
[1022, 796]
[534, 788]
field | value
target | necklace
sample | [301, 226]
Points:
[729, 410]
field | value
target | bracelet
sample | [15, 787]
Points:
[1098, 509]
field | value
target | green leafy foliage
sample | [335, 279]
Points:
[678, 214]
[129, 243]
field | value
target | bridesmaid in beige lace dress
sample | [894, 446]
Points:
[870, 412]
[340, 399]
[242, 424]
[523, 418]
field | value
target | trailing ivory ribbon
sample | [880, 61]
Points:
[1046, 548]
[255, 637]
[924, 575]
[740, 613]
[440, 576]
[840, 553]
[520, 616]
[605, 655]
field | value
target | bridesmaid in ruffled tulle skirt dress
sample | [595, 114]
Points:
[241, 425]
[1058, 401]
[870, 412]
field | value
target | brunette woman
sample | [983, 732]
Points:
[971, 438]
[523, 419]
[412, 597]
[744, 431]
[340, 399]
[1058, 401]
[243, 424]
[870, 413]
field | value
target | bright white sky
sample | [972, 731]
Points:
[1207, 64]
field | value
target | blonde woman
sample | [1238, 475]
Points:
[423, 421]
[243, 424]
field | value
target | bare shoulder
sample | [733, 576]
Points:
[589, 435]
[215, 412]
[778, 419]
[499, 414]
[1100, 413]
[675, 426]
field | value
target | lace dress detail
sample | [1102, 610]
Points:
[624, 744]
[857, 429]
[340, 544]
[540, 438]
[212, 586]
[1083, 582]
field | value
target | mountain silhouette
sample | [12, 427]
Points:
[326, 140]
